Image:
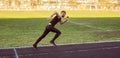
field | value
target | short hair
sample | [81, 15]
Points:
[63, 11]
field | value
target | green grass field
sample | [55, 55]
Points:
[16, 32]
[22, 28]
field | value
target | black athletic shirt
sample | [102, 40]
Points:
[55, 20]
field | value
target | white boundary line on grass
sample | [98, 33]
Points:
[65, 44]
[90, 26]
[99, 28]
[86, 25]
[16, 54]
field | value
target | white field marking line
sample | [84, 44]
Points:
[35, 54]
[86, 25]
[109, 48]
[97, 42]
[16, 54]
[100, 28]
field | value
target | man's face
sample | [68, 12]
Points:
[63, 14]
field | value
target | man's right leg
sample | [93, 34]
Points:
[58, 32]
[41, 37]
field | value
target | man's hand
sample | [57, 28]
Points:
[67, 18]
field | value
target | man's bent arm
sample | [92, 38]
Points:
[55, 13]
[66, 20]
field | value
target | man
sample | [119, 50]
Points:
[51, 27]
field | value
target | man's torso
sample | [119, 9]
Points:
[55, 20]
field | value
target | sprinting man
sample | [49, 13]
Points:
[51, 27]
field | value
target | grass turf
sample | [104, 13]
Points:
[24, 31]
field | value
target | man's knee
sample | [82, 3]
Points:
[58, 33]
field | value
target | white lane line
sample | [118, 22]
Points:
[35, 54]
[86, 25]
[86, 50]
[97, 42]
[16, 54]
[109, 48]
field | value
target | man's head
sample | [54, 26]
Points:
[63, 13]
